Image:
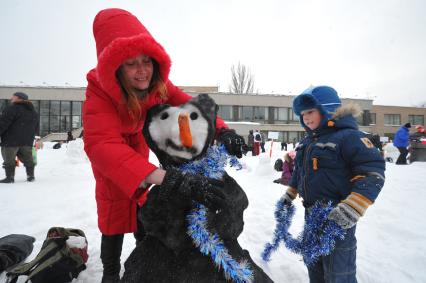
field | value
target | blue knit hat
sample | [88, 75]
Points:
[324, 98]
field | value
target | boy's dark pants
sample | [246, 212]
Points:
[340, 265]
[402, 158]
[111, 247]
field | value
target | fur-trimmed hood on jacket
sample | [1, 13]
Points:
[119, 35]
[344, 117]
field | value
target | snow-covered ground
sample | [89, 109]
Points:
[391, 237]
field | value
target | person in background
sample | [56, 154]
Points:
[401, 142]
[131, 76]
[338, 163]
[18, 125]
[69, 136]
[257, 140]
[288, 168]
[262, 143]
[250, 141]
[420, 133]
[283, 146]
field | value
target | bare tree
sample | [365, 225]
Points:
[242, 80]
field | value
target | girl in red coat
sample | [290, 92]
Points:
[130, 77]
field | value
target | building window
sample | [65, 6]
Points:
[36, 105]
[44, 125]
[225, 112]
[416, 119]
[76, 108]
[392, 119]
[372, 118]
[44, 107]
[54, 124]
[260, 113]
[76, 122]
[281, 114]
[65, 107]
[55, 107]
[293, 118]
[246, 113]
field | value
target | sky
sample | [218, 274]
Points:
[364, 49]
[391, 236]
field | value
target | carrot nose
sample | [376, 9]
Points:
[184, 130]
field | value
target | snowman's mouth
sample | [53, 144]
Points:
[171, 144]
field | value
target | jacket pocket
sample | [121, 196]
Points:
[325, 155]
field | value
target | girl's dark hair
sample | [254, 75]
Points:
[132, 99]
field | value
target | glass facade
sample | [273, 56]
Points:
[225, 111]
[55, 116]
[253, 113]
[372, 118]
[285, 115]
[392, 119]
[416, 119]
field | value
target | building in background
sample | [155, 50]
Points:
[60, 111]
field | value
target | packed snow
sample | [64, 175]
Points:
[391, 236]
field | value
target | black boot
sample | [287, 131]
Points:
[30, 174]
[10, 175]
[110, 256]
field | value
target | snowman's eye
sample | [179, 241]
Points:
[164, 116]
[194, 116]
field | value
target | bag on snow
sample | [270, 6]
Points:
[278, 165]
[62, 257]
[14, 248]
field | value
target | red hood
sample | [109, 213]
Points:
[119, 35]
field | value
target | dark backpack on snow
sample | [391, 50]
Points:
[57, 262]
[14, 248]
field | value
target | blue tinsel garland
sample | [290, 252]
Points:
[213, 166]
[317, 239]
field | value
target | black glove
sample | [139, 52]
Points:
[233, 142]
[203, 190]
[277, 181]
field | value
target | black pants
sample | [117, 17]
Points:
[24, 153]
[402, 158]
[111, 247]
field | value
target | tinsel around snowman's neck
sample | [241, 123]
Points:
[212, 165]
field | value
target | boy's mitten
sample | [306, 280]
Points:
[347, 213]
[233, 142]
[277, 181]
[204, 190]
[344, 215]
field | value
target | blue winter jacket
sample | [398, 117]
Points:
[335, 160]
[401, 137]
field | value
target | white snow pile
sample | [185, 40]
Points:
[391, 236]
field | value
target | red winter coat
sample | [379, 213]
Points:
[115, 146]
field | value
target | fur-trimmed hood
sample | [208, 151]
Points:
[119, 35]
[352, 109]
[343, 118]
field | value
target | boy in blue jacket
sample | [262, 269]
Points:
[335, 162]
